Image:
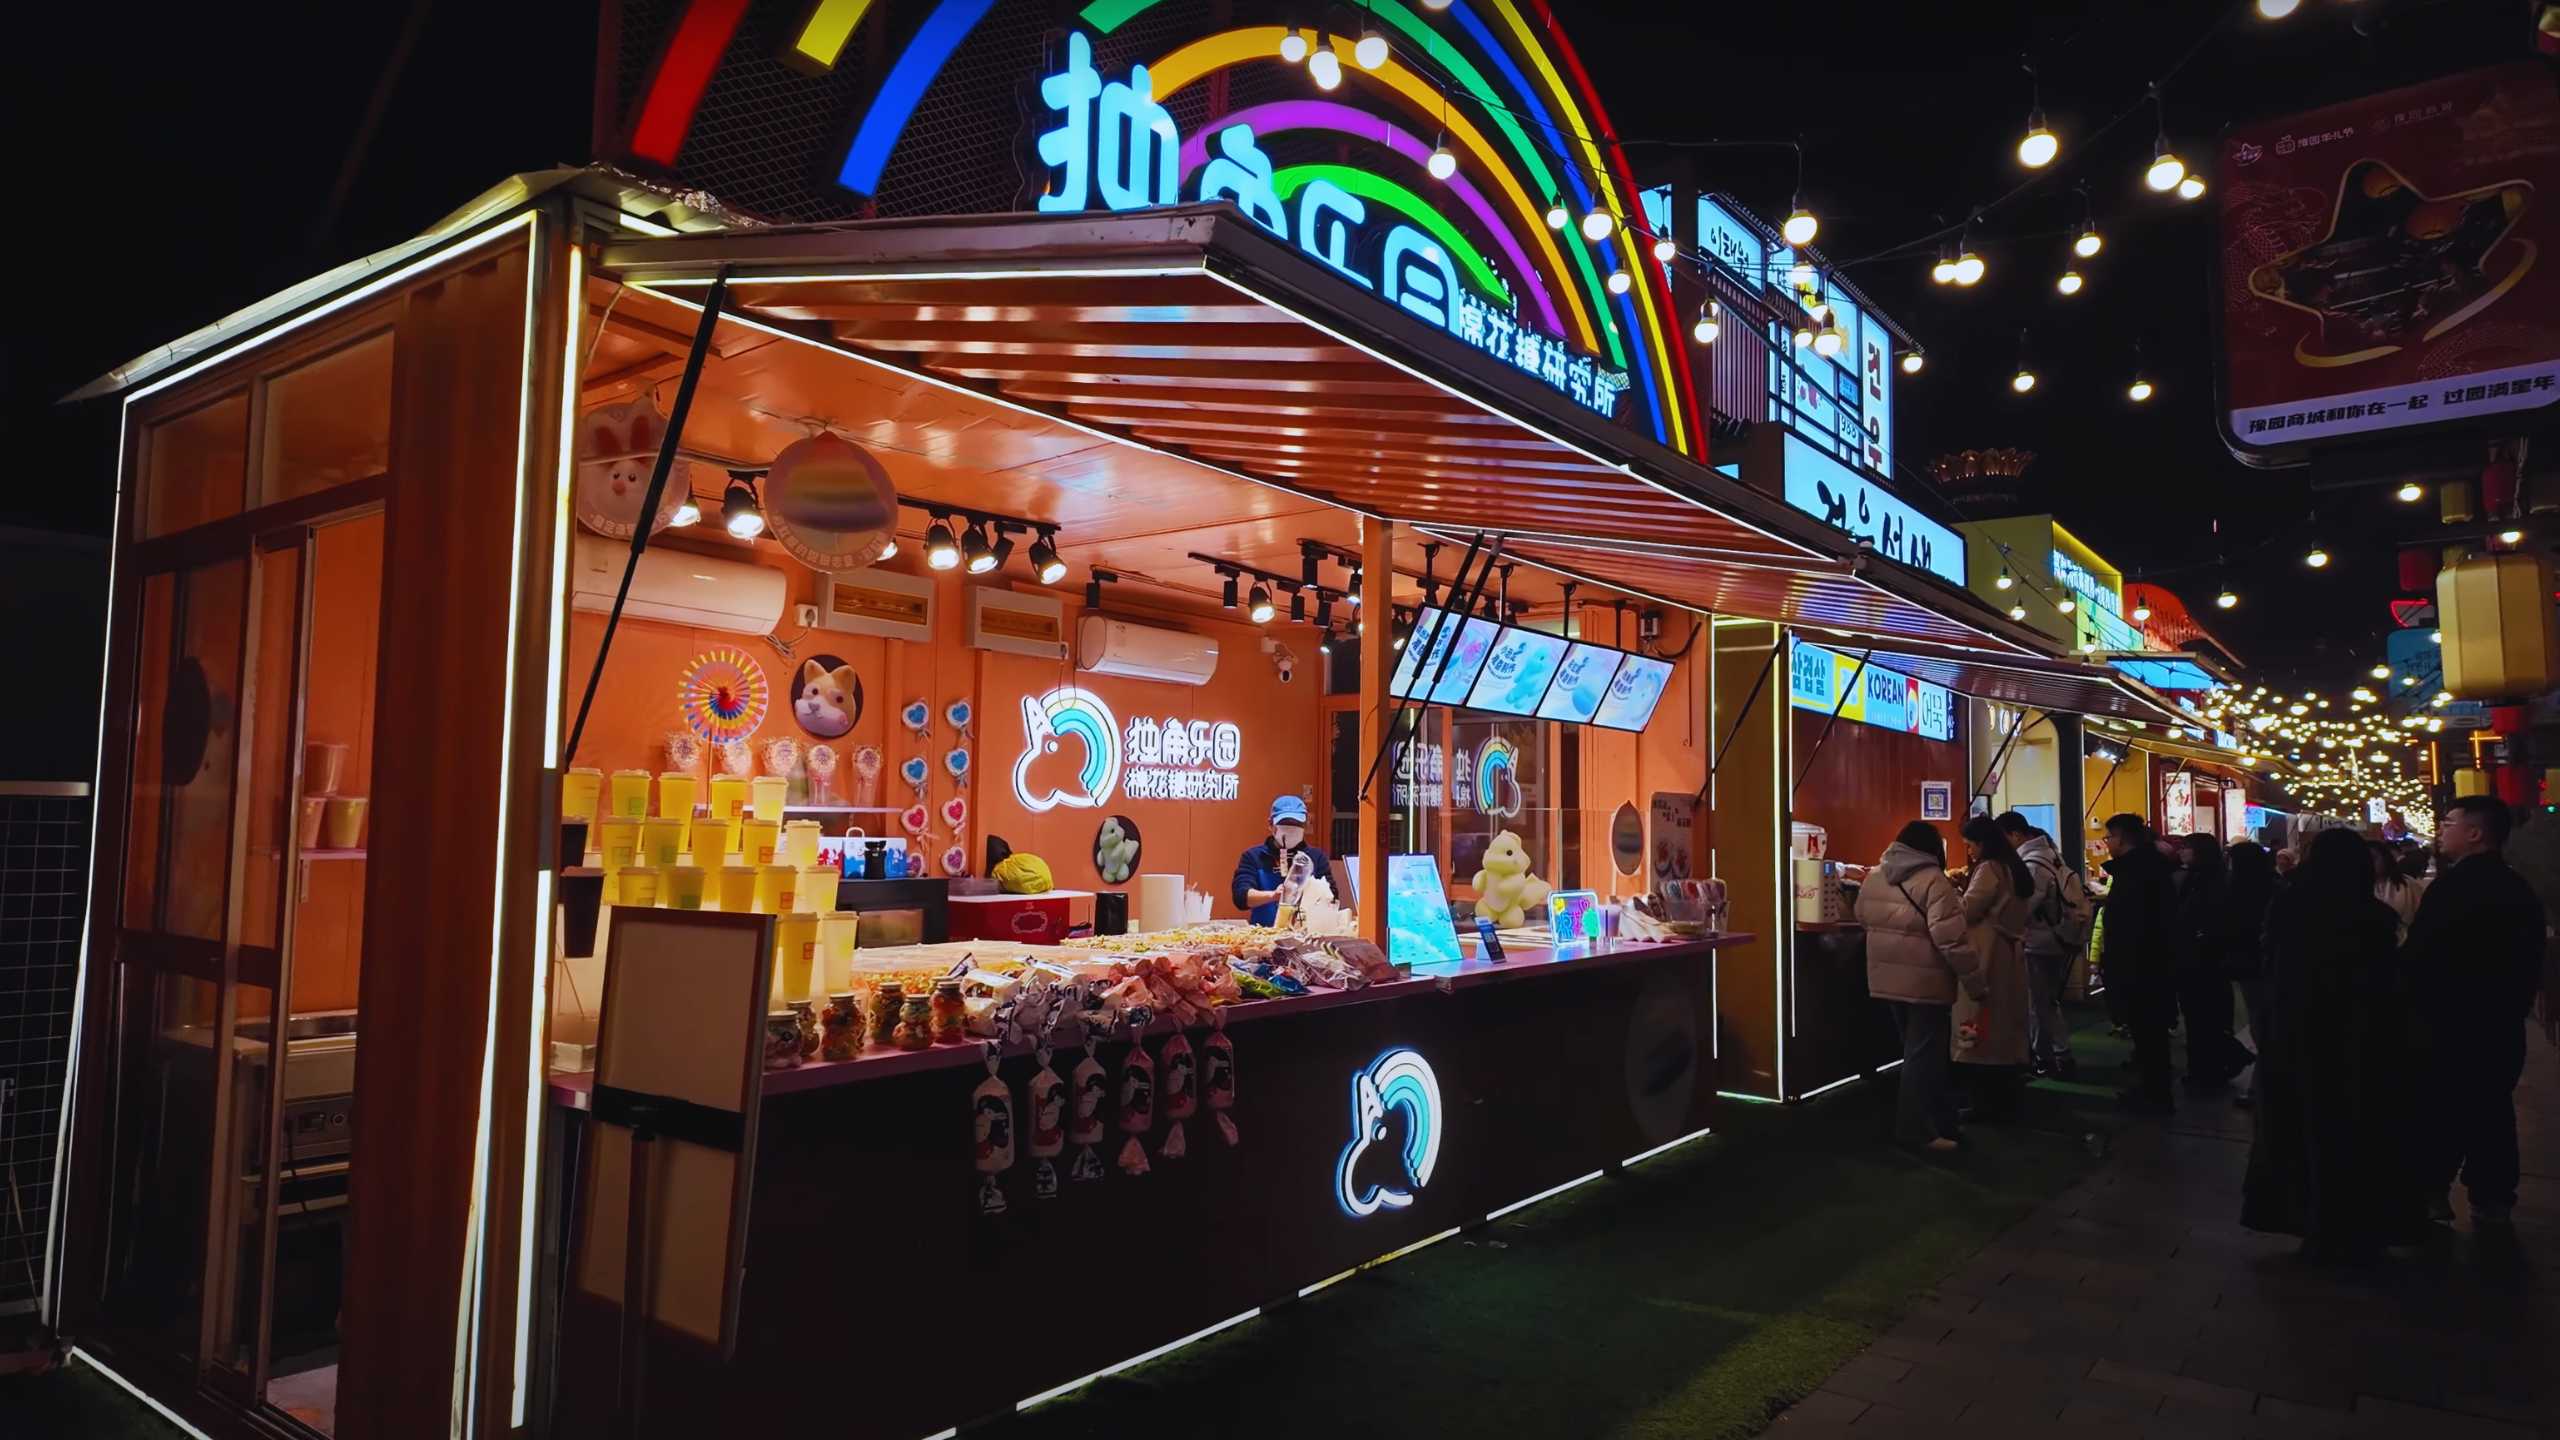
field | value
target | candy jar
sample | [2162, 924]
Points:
[886, 1003]
[840, 1028]
[915, 1023]
[781, 1040]
[805, 1015]
[950, 1013]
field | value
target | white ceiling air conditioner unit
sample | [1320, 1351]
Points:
[1105, 646]
[679, 587]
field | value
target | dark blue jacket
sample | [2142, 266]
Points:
[1260, 868]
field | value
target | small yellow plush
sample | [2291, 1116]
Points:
[1021, 874]
[1505, 890]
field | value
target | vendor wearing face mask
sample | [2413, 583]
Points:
[1260, 870]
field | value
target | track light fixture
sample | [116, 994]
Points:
[688, 512]
[739, 511]
[1258, 604]
[974, 549]
[940, 551]
[1044, 559]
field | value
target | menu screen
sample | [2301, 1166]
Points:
[1582, 680]
[1633, 693]
[1475, 641]
[1420, 648]
[1516, 671]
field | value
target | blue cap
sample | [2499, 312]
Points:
[1290, 808]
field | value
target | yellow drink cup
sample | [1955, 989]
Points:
[836, 934]
[618, 840]
[684, 887]
[661, 840]
[728, 792]
[800, 843]
[816, 892]
[737, 888]
[580, 790]
[758, 838]
[677, 792]
[709, 844]
[795, 952]
[769, 791]
[775, 885]
[637, 887]
[631, 793]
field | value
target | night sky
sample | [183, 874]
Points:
[175, 180]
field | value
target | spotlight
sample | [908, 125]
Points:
[2037, 147]
[889, 548]
[2166, 168]
[2089, 242]
[1044, 559]
[1371, 52]
[2138, 391]
[1968, 268]
[940, 550]
[1912, 362]
[1665, 250]
[2317, 559]
[1557, 216]
[1227, 592]
[2411, 493]
[1324, 643]
[1297, 603]
[1324, 609]
[1353, 598]
[1326, 68]
[2226, 600]
[1443, 162]
[1093, 590]
[1709, 315]
[1293, 45]
[974, 549]
[1620, 282]
[687, 513]
[739, 511]
[2068, 282]
[1801, 226]
[1598, 224]
[2191, 187]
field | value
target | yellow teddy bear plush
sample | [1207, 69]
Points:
[1505, 890]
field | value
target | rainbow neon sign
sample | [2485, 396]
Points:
[1371, 1175]
[1495, 80]
[1070, 752]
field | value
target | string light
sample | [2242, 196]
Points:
[1665, 250]
[2166, 168]
[1443, 162]
[2138, 391]
[1325, 67]
[2191, 187]
[2141, 613]
[1912, 362]
[2088, 242]
[1293, 45]
[1801, 226]
[1620, 282]
[1557, 216]
[2068, 282]
[1598, 224]
[2317, 559]
[1371, 52]
[2226, 600]
[1709, 317]
[2025, 379]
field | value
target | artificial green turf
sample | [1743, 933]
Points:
[1692, 1296]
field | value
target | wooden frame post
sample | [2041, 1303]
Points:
[1377, 712]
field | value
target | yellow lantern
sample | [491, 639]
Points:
[2496, 616]
[2453, 502]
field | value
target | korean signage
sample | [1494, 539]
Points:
[1845, 500]
[2386, 262]
[2097, 596]
[1824, 680]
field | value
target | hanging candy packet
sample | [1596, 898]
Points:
[1218, 1075]
[1048, 1136]
[1089, 1085]
[1137, 1096]
[1180, 1098]
[991, 1117]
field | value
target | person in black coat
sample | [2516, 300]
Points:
[2474, 959]
[2204, 988]
[2141, 954]
[2243, 933]
[2331, 1159]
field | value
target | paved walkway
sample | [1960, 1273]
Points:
[2134, 1305]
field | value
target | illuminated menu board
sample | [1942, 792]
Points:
[1581, 682]
[1633, 693]
[1516, 671]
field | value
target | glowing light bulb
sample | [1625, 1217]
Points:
[1557, 216]
[1969, 268]
[2089, 243]
[1944, 272]
[1801, 226]
[1443, 162]
[2277, 9]
[2066, 605]
[2017, 612]
[1620, 282]
[2138, 391]
[1911, 362]
[2509, 537]
[2411, 493]
[2190, 188]
[1371, 52]
[1800, 276]
[2318, 559]
[2380, 672]
[2141, 613]
[1665, 250]
[2166, 169]
[1598, 224]
[2037, 147]
[2068, 282]
[1707, 326]
[1326, 68]
[1293, 45]
[1829, 341]
[2226, 600]
[2023, 381]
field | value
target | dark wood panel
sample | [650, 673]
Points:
[1865, 783]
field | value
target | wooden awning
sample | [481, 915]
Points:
[1191, 332]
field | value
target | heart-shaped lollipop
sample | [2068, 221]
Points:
[955, 813]
[957, 762]
[959, 714]
[913, 771]
[955, 861]
[916, 818]
[917, 716]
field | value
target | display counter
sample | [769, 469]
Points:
[1366, 1121]
[1837, 1032]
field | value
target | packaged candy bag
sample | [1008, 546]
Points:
[1048, 1137]
[1218, 1075]
[1137, 1099]
[1088, 1085]
[1179, 1097]
[991, 1120]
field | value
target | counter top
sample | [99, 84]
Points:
[881, 1062]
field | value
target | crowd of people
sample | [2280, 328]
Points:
[2385, 1000]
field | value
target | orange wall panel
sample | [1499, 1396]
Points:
[1864, 785]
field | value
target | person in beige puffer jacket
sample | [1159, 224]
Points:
[1917, 958]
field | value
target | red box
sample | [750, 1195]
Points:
[1016, 919]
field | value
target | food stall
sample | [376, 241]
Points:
[1006, 506]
